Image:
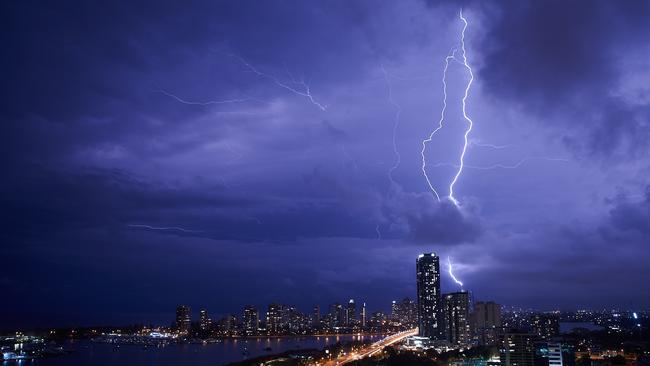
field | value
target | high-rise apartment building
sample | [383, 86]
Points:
[250, 320]
[429, 300]
[486, 322]
[274, 319]
[183, 319]
[351, 314]
[204, 320]
[456, 307]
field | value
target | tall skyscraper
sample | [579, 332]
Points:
[183, 319]
[517, 349]
[363, 315]
[336, 315]
[456, 316]
[315, 319]
[251, 320]
[350, 314]
[204, 320]
[486, 322]
[429, 302]
[274, 319]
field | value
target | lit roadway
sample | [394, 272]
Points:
[371, 349]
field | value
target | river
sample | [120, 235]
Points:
[88, 353]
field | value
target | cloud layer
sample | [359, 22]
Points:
[169, 154]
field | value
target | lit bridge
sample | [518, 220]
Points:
[371, 349]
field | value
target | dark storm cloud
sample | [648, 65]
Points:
[100, 149]
[423, 220]
[39, 201]
[562, 60]
[611, 253]
[82, 83]
[632, 216]
[565, 269]
[87, 72]
[444, 225]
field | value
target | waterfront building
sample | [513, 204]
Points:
[274, 319]
[204, 320]
[183, 319]
[251, 320]
[227, 326]
[350, 314]
[335, 316]
[315, 319]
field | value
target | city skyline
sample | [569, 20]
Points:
[450, 315]
[223, 154]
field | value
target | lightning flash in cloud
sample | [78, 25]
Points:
[503, 166]
[165, 228]
[304, 91]
[451, 273]
[462, 59]
[491, 146]
[204, 104]
[396, 121]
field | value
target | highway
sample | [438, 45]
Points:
[371, 349]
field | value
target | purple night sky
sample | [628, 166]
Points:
[224, 153]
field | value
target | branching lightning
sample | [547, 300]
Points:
[470, 123]
[174, 228]
[396, 121]
[451, 273]
[491, 146]
[469, 120]
[204, 104]
[440, 124]
[503, 166]
[305, 92]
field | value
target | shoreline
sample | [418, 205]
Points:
[308, 336]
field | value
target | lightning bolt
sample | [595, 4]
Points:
[451, 273]
[305, 92]
[469, 120]
[470, 123]
[175, 228]
[491, 146]
[378, 232]
[204, 104]
[504, 166]
[440, 124]
[396, 121]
